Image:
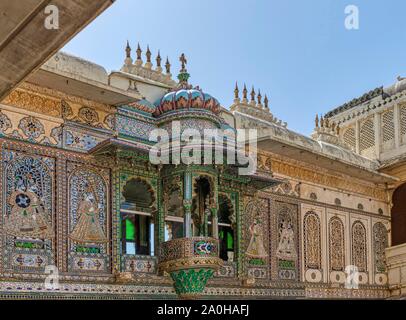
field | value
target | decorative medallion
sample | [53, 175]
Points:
[88, 115]
[31, 127]
[66, 110]
[5, 123]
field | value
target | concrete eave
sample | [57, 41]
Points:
[80, 86]
[25, 43]
[336, 164]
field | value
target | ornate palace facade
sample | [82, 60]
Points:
[79, 192]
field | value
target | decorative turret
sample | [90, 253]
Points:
[253, 97]
[259, 97]
[138, 62]
[148, 64]
[145, 70]
[236, 94]
[158, 62]
[327, 131]
[254, 107]
[266, 103]
[168, 67]
[244, 94]
[128, 60]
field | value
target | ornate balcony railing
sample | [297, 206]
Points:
[191, 262]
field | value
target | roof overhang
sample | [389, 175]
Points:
[25, 42]
[82, 87]
[328, 162]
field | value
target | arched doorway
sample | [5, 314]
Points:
[399, 216]
[225, 229]
[137, 221]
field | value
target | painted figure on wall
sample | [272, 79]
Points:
[256, 247]
[28, 217]
[286, 248]
[88, 228]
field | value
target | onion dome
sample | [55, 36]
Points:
[186, 97]
[143, 105]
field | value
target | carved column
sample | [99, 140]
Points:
[187, 204]
[214, 223]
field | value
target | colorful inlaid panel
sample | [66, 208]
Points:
[28, 211]
[88, 218]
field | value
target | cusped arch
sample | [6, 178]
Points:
[142, 189]
[312, 240]
[359, 246]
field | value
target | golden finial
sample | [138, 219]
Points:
[158, 59]
[266, 102]
[183, 61]
[316, 121]
[259, 97]
[167, 66]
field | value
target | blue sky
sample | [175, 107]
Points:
[296, 51]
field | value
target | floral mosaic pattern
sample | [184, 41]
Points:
[359, 246]
[5, 123]
[336, 244]
[31, 127]
[28, 213]
[80, 141]
[312, 241]
[380, 238]
[88, 214]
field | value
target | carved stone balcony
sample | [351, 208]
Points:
[191, 262]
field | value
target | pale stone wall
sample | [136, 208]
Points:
[396, 261]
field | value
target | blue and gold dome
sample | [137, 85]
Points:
[186, 97]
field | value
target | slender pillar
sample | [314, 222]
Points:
[187, 205]
[187, 220]
[214, 223]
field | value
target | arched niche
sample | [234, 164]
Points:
[138, 195]
[137, 216]
[202, 202]
[399, 216]
[226, 228]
